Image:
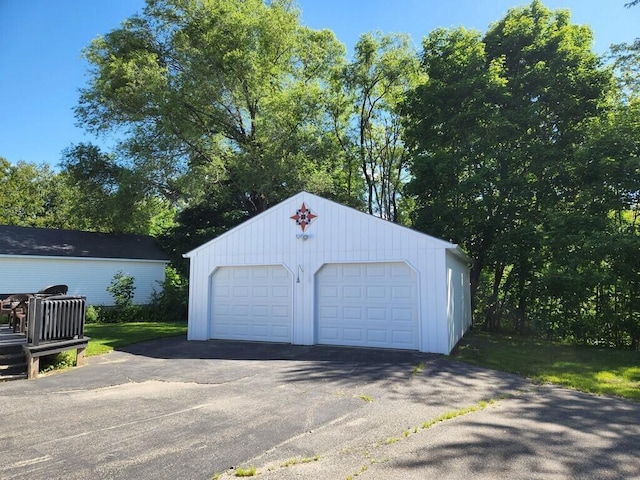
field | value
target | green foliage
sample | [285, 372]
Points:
[170, 304]
[109, 197]
[58, 361]
[200, 222]
[523, 157]
[368, 108]
[246, 472]
[298, 461]
[91, 315]
[131, 313]
[418, 369]
[122, 289]
[33, 196]
[218, 95]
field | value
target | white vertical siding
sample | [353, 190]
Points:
[84, 276]
[458, 299]
[338, 235]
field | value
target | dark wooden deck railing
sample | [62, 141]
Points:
[55, 318]
[54, 324]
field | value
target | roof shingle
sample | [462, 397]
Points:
[73, 243]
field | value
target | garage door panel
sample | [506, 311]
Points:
[281, 332]
[401, 293]
[280, 273]
[351, 271]
[281, 292]
[367, 305]
[353, 334]
[242, 273]
[239, 292]
[251, 303]
[402, 315]
[329, 334]
[261, 291]
[260, 331]
[241, 311]
[329, 291]
[281, 311]
[259, 311]
[352, 292]
[350, 313]
[377, 336]
[374, 292]
[376, 314]
[375, 271]
[401, 271]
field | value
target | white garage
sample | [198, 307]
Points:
[251, 303]
[367, 305]
[311, 271]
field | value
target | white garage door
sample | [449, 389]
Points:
[251, 303]
[368, 305]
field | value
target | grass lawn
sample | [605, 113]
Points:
[588, 369]
[107, 336]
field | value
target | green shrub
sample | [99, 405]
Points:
[91, 315]
[122, 288]
[132, 313]
[170, 304]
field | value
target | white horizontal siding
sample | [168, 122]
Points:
[338, 235]
[84, 276]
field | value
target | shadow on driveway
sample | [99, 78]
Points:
[395, 370]
[170, 409]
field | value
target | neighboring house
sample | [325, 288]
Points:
[310, 271]
[33, 258]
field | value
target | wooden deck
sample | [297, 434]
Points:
[8, 338]
[13, 364]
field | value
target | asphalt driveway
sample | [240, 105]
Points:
[171, 409]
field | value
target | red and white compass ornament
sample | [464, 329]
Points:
[303, 217]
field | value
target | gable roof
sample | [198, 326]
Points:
[299, 197]
[48, 242]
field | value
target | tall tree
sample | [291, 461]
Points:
[33, 196]
[234, 90]
[495, 132]
[109, 197]
[383, 70]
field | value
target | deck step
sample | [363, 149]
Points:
[12, 358]
[17, 376]
[13, 349]
[13, 368]
[13, 361]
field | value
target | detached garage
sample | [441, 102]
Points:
[310, 271]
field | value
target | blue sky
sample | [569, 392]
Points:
[41, 68]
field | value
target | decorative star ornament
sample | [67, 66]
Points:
[303, 217]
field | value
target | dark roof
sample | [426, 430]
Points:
[72, 243]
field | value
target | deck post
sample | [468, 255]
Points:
[33, 365]
[80, 357]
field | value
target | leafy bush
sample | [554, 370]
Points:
[167, 305]
[91, 315]
[122, 288]
[170, 304]
[132, 313]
